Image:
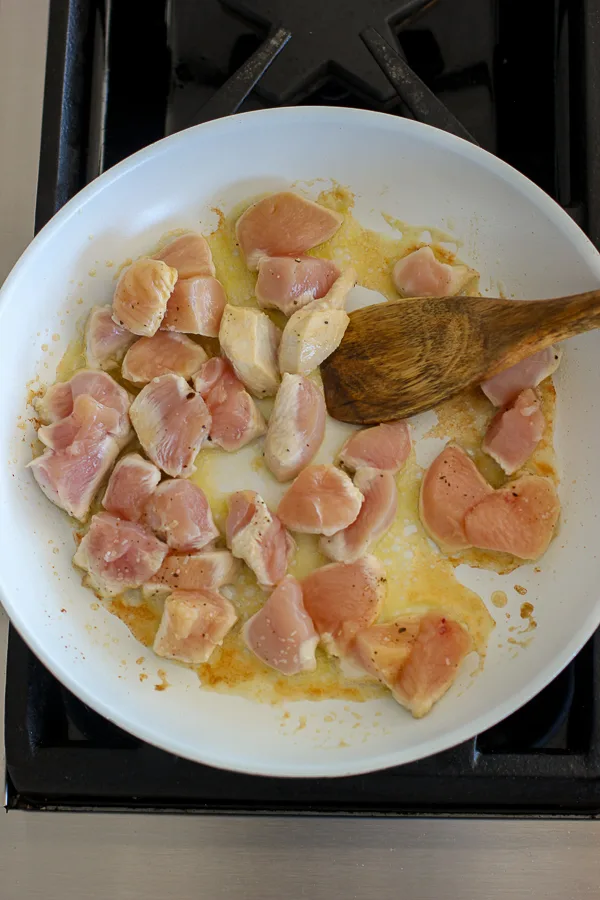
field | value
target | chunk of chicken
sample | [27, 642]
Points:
[296, 427]
[518, 519]
[236, 419]
[250, 340]
[288, 284]
[385, 447]
[257, 536]
[105, 342]
[189, 254]
[383, 649]
[284, 224]
[141, 296]
[421, 274]
[57, 403]
[130, 486]
[196, 306]
[209, 569]
[172, 422]
[514, 433]
[506, 386]
[451, 486]
[344, 598]
[281, 633]
[118, 555]
[193, 624]
[166, 352]
[376, 515]
[322, 500]
[88, 422]
[179, 513]
[314, 332]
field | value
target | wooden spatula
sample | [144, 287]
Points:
[406, 356]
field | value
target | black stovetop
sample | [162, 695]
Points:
[520, 78]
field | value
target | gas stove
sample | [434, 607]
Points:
[521, 80]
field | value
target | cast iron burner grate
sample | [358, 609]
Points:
[521, 80]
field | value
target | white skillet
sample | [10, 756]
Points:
[511, 231]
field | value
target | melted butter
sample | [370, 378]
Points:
[499, 599]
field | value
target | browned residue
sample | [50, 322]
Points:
[163, 684]
[526, 610]
[520, 590]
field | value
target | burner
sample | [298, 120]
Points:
[325, 41]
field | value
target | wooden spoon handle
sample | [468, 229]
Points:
[519, 329]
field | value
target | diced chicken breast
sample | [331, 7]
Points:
[451, 486]
[518, 519]
[376, 515]
[236, 419]
[284, 224]
[89, 422]
[118, 555]
[287, 283]
[141, 296]
[420, 274]
[189, 254]
[515, 432]
[296, 427]
[344, 598]
[196, 306]
[281, 633]
[70, 478]
[383, 649]
[57, 402]
[172, 422]
[257, 536]
[504, 387]
[193, 624]
[105, 342]
[437, 653]
[385, 447]
[314, 332]
[322, 500]
[165, 352]
[179, 513]
[249, 340]
[130, 486]
[210, 569]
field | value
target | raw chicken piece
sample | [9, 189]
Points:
[250, 340]
[88, 422]
[236, 419]
[209, 569]
[504, 387]
[193, 624]
[141, 296]
[314, 332]
[284, 224]
[163, 353]
[376, 515]
[189, 254]
[288, 284]
[179, 513]
[257, 536]
[437, 653]
[515, 432]
[322, 500]
[118, 555]
[519, 518]
[70, 478]
[57, 402]
[130, 486]
[172, 422]
[282, 634]
[382, 650]
[420, 274]
[296, 427]
[343, 598]
[196, 306]
[105, 342]
[451, 486]
[385, 447]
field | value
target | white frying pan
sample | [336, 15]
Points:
[511, 231]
